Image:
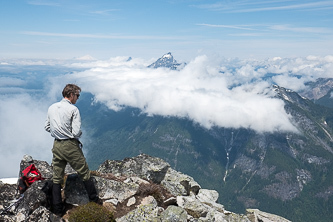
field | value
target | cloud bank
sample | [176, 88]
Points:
[22, 119]
[200, 92]
[210, 91]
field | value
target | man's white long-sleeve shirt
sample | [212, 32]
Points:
[63, 120]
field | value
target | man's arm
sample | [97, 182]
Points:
[76, 124]
[47, 124]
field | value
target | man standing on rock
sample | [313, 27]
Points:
[64, 123]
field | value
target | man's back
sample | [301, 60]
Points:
[63, 120]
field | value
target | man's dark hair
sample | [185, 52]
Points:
[69, 89]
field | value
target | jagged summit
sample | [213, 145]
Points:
[168, 56]
[167, 61]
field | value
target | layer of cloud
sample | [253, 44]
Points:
[22, 119]
[233, 94]
[8, 81]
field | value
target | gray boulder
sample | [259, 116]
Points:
[174, 214]
[41, 214]
[143, 166]
[179, 184]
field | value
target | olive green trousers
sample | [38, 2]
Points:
[68, 151]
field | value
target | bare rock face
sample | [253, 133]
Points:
[180, 184]
[318, 89]
[144, 166]
[174, 213]
[141, 188]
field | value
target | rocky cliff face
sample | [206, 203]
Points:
[142, 188]
[317, 89]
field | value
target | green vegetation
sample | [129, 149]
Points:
[281, 161]
[91, 212]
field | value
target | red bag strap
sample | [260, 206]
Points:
[28, 169]
[32, 168]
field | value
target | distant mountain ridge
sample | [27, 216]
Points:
[318, 89]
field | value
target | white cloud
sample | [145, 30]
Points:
[104, 12]
[242, 27]
[119, 61]
[199, 92]
[227, 93]
[301, 29]
[293, 83]
[22, 132]
[86, 58]
[8, 81]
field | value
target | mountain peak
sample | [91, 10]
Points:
[166, 61]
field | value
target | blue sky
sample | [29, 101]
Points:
[149, 28]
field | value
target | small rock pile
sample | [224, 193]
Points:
[142, 188]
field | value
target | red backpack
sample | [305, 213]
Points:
[30, 175]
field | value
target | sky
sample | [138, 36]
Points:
[149, 28]
[230, 47]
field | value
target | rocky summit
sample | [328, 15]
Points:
[142, 188]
